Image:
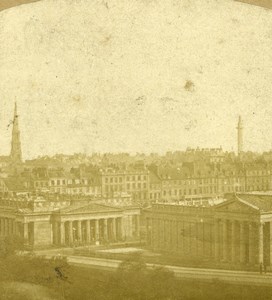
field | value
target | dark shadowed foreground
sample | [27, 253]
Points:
[31, 277]
[26, 291]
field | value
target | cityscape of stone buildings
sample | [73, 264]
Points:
[179, 201]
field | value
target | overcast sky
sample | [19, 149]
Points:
[146, 76]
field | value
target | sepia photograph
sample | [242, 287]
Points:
[135, 149]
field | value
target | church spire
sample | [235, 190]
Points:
[16, 152]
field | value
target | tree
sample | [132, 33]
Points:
[10, 244]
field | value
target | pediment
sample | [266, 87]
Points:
[236, 206]
[90, 208]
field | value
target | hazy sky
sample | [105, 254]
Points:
[133, 75]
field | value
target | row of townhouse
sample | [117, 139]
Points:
[176, 183]
[144, 185]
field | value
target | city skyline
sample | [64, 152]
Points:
[78, 90]
[16, 152]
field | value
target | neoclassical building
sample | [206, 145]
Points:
[235, 232]
[61, 223]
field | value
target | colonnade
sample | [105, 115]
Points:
[186, 237]
[8, 226]
[239, 241]
[221, 240]
[77, 232]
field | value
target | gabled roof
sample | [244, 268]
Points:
[262, 201]
[88, 208]
[258, 202]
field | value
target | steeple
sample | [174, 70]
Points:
[240, 135]
[16, 152]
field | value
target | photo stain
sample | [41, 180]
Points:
[189, 86]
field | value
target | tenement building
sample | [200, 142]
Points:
[41, 222]
[235, 232]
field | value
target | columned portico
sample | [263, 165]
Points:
[71, 225]
[85, 231]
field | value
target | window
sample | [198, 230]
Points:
[58, 182]
[120, 179]
[106, 180]
[139, 177]
[52, 182]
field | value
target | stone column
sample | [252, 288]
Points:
[131, 226]
[251, 245]
[233, 242]
[225, 240]
[216, 240]
[242, 243]
[137, 225]
[113, 229]
[260, 243]
[147, 230]
[6, 227]
[56, 233]
[2, 227]
[163, 222]
[14, 229]
[121, 228]
[62, 233]
[88, 231]
[71, 233]
[96, 228]
[26, 240]
[105, 227]
[10, 231]
[198, 239]
[79, 232]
